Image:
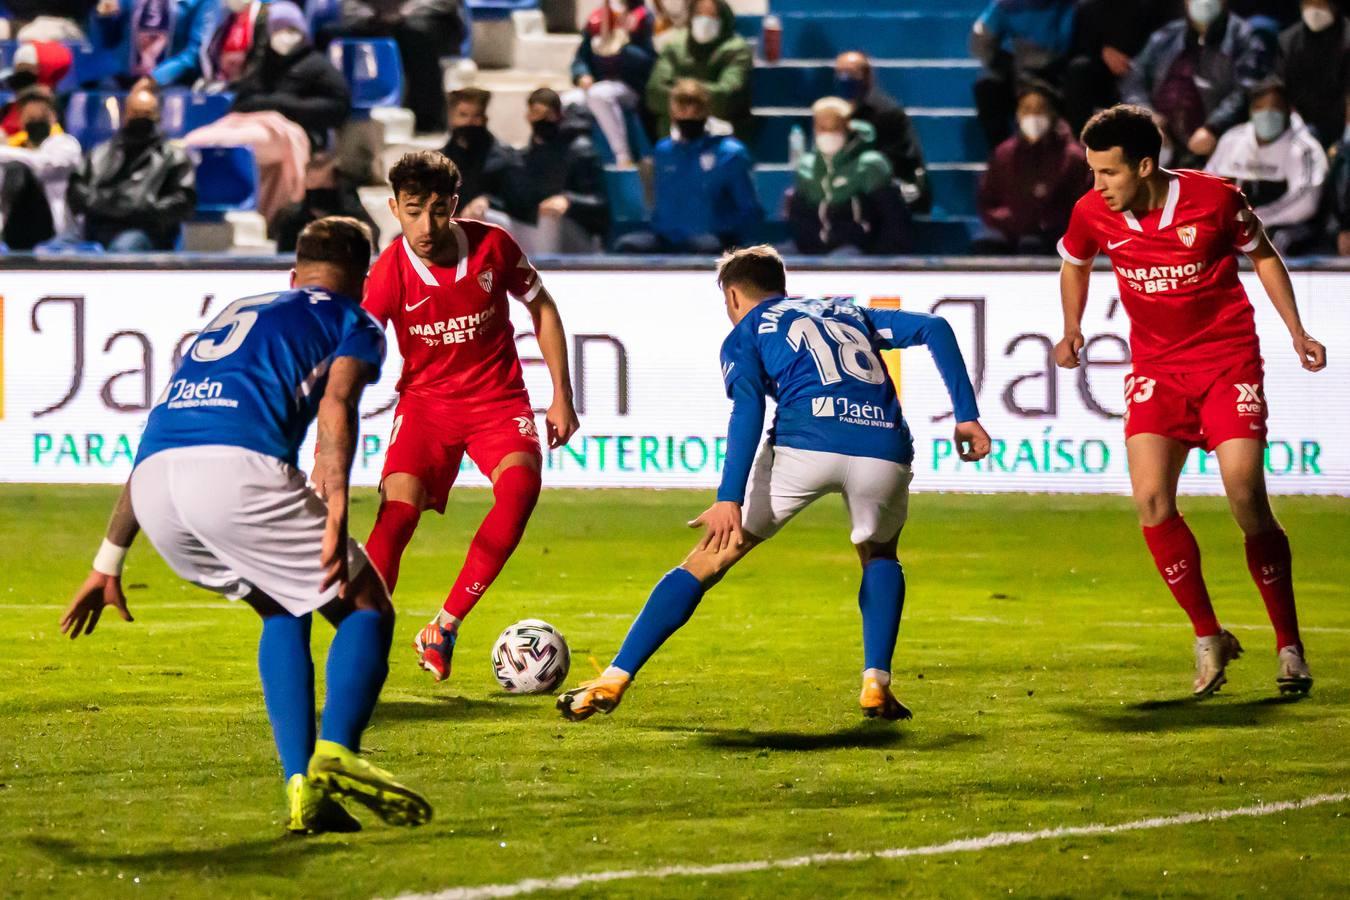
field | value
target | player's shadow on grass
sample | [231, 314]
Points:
[1182, 713]
[262, 855]
[457, 708]
[872, 735]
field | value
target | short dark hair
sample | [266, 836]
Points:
[690, 90]
[759, 268]
[1129, 127]
[1043, 88]
[36, 93]
[424, 173]
[479, 97]
[339, 241]
[545, 97]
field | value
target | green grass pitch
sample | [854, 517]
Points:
[1045, 662]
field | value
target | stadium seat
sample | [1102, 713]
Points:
[227, 181]
[627, 204]
[7, 49]
[93, 116]
[771, 183]
[182, 110]
[321, 13]
[373, 71]
[486, 10]
[801, 82]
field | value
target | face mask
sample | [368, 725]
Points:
[20, 80]
[139, 129]
[1268, 124]
[618, 7]
[704, 29]
[1204, 12]
[284, 42]
[848, 87]
[1034, 127]
[1318, 19]
[236, 6]
[544, 129]
[1345, 135]
[38, 130]
[471, 137]
[829, 143]
[326, 199]
[691, 129]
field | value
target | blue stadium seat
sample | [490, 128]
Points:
[227, 181]
[627, 204]
[92, 66]
[486, 10]
[972, 8]
[799, 84]
[945, 137]
[93, 116]
[771, 183]
[888, 35]
[320, 13]
[954, 190]
[7, 49]
[373, 71]
[182, 110]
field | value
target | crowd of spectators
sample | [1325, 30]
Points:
[1253, 90]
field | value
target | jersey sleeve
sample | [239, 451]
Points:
[1243, 224]
[897, 329]
[363, 339]
[382, 291]
[522, 279]
[743, 375]
[1079, 244]
[741, 364]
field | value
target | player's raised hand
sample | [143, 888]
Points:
[722, 526]
[561, 422]
[972, 441]
[1066, 351]
[1311, 353]
[98, 592]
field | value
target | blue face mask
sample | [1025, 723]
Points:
[848, 87]
[1204, 12]
[1268, 124]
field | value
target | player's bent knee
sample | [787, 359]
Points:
[519, 460]
[1154, 507]
[404, 488]
[870, 550]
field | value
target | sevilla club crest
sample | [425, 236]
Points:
[485, 276]
[1187, 235]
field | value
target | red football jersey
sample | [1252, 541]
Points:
[453, 327]
[1177, 270]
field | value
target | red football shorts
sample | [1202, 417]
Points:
[1199, 409]
[429, 441]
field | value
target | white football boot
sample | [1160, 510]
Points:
[1294, 677]
[1212, 656]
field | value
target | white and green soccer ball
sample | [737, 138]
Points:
[531, 657]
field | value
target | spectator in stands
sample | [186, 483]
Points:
[283, 109]
[161, 40]
[49, 20]
[1280, 166]
[328, 192]
[238, 41]
[611, 68]
[44, 148]
[558, 203]
[1033, 180]
[710, 52]
[486, 165]
[855, 81]
[705, 196]
[425, 31]
[136, 190]
[42, 63]
[25, 215]
[1314, 64]
[1107, 35]
[1192, 72]
[1338, 187]
[1017, 40]
[844, 200]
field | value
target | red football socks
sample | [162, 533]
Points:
[1177, 556]
[394, 526]
[514, 496]
[1271, 565]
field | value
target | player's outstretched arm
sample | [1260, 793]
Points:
[347, 378]
[561, 418]
[1274, 275]
[103, 586]
[1073, 293]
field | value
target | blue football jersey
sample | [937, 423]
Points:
[254, 376]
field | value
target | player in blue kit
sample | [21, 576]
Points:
[216, 488]
[838, 429]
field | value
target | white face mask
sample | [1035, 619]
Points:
[1204, 12]
[236, 6]
[704, 29]
[828, 143]
[284, 42]
[1034, 127]
[1317, 18]
[618, 7]
[1268, 124]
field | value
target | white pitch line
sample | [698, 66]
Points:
[963, 845]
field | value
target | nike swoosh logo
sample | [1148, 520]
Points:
[1256, 427]
[408, 308]
[1178, 578]
[1270, 580]
[1110, 245]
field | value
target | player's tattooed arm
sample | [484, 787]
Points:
[1073, 293]
[337, 448]
[103, 586]
[1274, 275]
[561, 418]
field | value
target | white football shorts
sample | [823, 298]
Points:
[785, 480]
[233, 520]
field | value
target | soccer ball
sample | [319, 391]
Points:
[531, 657]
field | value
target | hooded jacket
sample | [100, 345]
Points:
[121, 185]
[704, 187]
[303, 86]
[1030, 189]
[723, 66]
[850, 200]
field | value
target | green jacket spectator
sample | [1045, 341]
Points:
[720, 60]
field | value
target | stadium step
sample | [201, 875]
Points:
[948, 135]
[912, 82]
[972, 7]
[884, 35]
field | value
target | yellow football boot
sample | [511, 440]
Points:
[313, 811]
[340, 771]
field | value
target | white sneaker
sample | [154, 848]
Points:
[1294, 677]
[1212, 656]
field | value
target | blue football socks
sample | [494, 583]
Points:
[358, 662]
[881, 598]
[287, 671]
[670, 605]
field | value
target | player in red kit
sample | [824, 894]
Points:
[1197, 374]
[443, 288]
